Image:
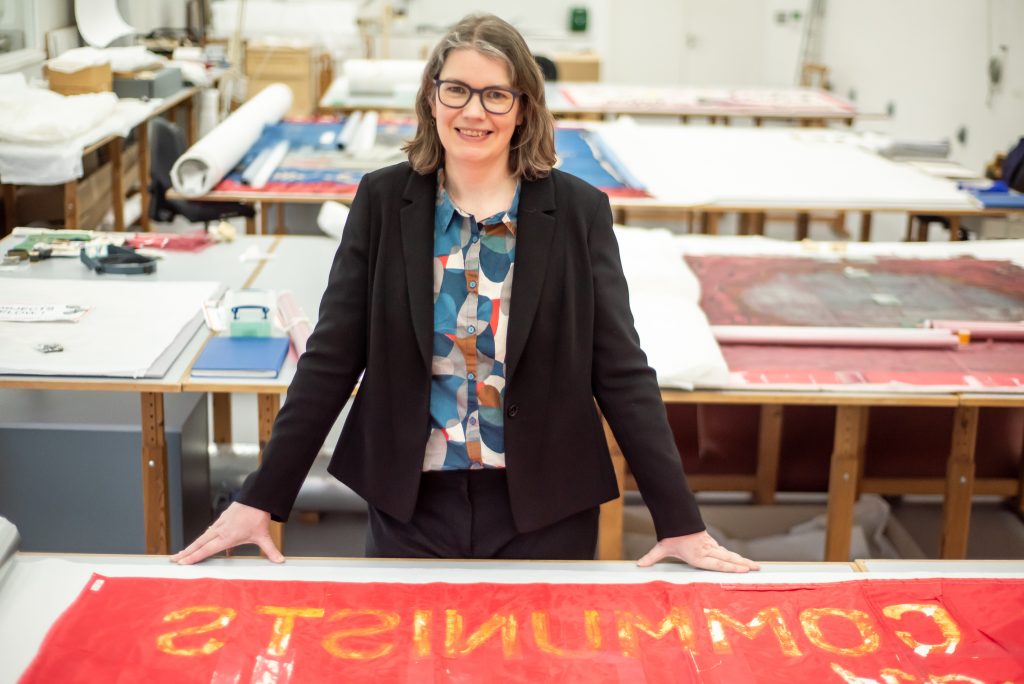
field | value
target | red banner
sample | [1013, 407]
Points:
[888, 631]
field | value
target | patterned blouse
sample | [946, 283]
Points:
[473, 266]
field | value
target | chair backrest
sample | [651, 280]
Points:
[547, 67]
[166, 144]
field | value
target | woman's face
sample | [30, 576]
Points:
[471, 134]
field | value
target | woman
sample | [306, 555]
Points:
[482, 294]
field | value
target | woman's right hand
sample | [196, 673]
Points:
[239, 524]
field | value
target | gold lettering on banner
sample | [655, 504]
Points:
[421, 620]
[718, 620]
[284, 625]
[954, 679]
[224, 616]
[888, 676]
[810, 619]
[627, 624]
[891, 675]
[453, 628]
[386, 622]
[542, 633]
[942, 619]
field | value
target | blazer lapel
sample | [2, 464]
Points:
[534, 231]
[417, 217]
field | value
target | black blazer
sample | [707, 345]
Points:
[570, 340]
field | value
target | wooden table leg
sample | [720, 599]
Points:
[191, 120]
[264, 211]
[267, 406]
[143, 143]
[803, 225]
[713, 218]
[865, 226]
[922, 229]
[609, 531]
[954, 228]
[155, 511]
[851, 426]
[221, 418]
[956, 509]
[839, 225]
[10, 208]
[279, 224]
[909, 235]
[744, 223]
[71, 213]
[250, 225]
[769, 446]
[760, 218]
[1018, 502]
[117, 189]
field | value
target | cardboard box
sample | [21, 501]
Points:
[148, 84]
[296, 67]
[578, 67]
[94, 79]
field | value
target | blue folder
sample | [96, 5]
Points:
[241, 357]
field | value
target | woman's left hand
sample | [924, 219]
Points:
[699, 550]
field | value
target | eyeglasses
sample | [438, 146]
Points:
[495, 100]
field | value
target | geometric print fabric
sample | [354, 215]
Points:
[474, 262]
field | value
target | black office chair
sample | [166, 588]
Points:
[547, 67]
[166, 144]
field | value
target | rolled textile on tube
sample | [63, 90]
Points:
[207, 162]
[919, 338]
[381, 76]
[348, 129]
[254, 166]
[269, 165]
[293, 321]
[365, 136]
[983, 330]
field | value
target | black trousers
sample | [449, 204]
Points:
[466, 514]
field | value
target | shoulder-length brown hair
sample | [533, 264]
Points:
[532, 152]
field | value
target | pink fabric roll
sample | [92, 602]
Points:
[984, 330]
[294, 321]
[913, 338]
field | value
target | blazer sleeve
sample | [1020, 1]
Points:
[626, 389]
[326, 374]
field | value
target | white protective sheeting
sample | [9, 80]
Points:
[664, 295]
[207, 162]
[816, 336]
[755, 245]
[100, 22]
[725, 167]
[58, 161]
[129, 326]
[34, 115]
[133, 58]
[382, 76]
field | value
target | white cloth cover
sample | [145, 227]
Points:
[35, 115]
[119, 58]
[382, 76]
[207, 162]
[41, 161]
[664, 296]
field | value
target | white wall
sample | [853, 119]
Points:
[929, 59]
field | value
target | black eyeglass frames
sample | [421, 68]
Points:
[495, 99]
